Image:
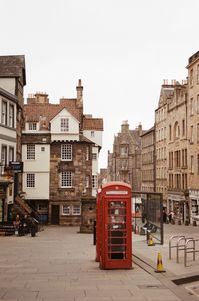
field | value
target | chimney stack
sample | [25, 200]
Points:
[79, 89]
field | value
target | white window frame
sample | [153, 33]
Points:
[94, 181]
[94, 156]
[76, 209]
[66, 179]
[87, 153]
[30, 154]
[64, 124]
[30, 180]
[11, 154]
[66, 212]
[11, 115]
[32, 126]
[4, 108]
[66, 152]
[4, 150]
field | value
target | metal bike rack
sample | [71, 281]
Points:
[190, 249]
[170, 242]
[181, 247]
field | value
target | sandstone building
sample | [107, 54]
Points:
[124, 163]
[193, 132]
[148, 177]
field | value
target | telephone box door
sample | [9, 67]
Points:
[117, 234]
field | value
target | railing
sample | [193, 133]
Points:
[170, 242]
[192, 250]
[185, 246]
[181, 247]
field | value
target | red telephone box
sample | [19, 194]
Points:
[114, 226]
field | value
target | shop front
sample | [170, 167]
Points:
[179, 205]
[194, 201]
[6, 199]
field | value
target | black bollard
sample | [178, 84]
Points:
[94, 233]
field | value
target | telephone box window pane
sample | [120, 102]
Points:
[117, 241]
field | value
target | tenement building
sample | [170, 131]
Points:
[148, 178]
[177, 167]
[166, 94]
[60, 147]
[124, 164]
[12, 82]
[193, 133]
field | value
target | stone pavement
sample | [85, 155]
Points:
[59, 265]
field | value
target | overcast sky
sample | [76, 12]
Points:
[121, 49]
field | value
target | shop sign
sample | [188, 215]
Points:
[194, 194]
[175, 197]
[16, 166]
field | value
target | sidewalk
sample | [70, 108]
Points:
[59, 265]
[141, 249]
[174, 270]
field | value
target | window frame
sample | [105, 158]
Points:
[11, 115]
[94, 181]
[4, 112]
[64, 124]
[64, 179]
[69, 209]
[79, 209]
[30, 183]
[30, 151]
[32, 126]
[66, 152]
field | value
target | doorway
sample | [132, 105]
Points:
[55, 214]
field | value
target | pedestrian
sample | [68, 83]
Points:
[16, 224]
[171, 216]
[164, 216]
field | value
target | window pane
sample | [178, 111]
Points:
[64, 125]
[32, 126]
[66, 179]
[4, 113]
[94, 181]
[66, 209]
[66, 152]
[30, 180]
[76, 210]
[11, 116]
[30, 151]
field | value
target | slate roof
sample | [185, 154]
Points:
[93, 124]
[13, 66]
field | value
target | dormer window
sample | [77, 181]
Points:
[64, 124]
[32, 126]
